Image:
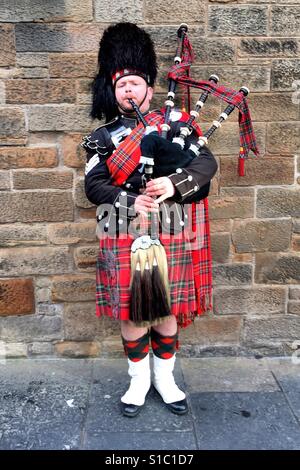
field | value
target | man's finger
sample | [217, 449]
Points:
[161, 198]
[143, 214]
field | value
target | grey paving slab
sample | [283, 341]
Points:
[141, 441]
[43, 404]
[293, 399]
[237, 421]
[286, 372]
[221, 374]
[54, 370]
[110, 383]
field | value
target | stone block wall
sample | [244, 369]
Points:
[48, 247]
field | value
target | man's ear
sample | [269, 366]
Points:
[150, 92]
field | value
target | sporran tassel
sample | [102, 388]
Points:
[147, 294]
[160, 297]
[136, 295]
[162, 265]
[150, 296]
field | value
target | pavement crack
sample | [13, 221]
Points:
[82, 437]
[286, 398]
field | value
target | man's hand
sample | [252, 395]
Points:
[162, 187]
[144, 204]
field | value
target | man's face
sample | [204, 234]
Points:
[136, 88]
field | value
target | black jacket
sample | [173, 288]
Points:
[191, 183]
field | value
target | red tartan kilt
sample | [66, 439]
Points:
[112, 282]
[113, 279]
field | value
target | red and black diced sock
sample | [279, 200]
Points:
[163, 347]
[138, 349]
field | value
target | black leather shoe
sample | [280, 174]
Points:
[130, 410]
[178, 407]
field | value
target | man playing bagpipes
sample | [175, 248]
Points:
[154, 264]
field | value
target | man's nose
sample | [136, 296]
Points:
[128, 88]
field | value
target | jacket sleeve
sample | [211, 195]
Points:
[99, 187]
[190, 180]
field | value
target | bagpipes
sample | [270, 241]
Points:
[167, 156]
[150, 296]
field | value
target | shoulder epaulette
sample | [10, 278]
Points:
[91, 142]
[105, 124]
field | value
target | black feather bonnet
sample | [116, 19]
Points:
[123, 46]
